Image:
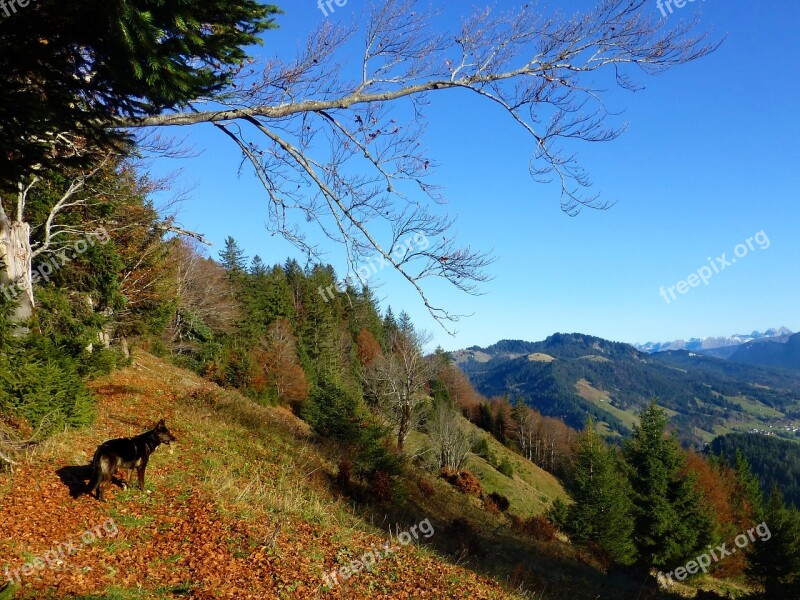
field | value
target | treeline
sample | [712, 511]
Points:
[776, 462]
[654, 506]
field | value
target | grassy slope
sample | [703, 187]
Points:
[241, 509]
[245, 508]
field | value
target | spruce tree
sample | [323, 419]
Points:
[232, 257]
[602, 514]
[774, 560]
[669, 520]
[144, 58]
[257, 267]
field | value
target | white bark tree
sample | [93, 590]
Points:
[19, 248]
[451, 442]
[339, 143]
[397, 381]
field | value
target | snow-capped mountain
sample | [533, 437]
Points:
[717, 346]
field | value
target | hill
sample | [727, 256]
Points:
[612, 381]
[776, 462]
[771, 353]
[245, 508]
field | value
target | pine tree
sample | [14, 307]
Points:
[774, 560]
[257, 267]
[232, 257]
[751, 499]
[602, 514]
[670, 523]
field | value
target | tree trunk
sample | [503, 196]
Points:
[15, 273]
[405, 425]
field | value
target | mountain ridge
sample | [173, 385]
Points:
[574, 376]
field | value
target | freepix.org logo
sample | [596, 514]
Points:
[9, 7]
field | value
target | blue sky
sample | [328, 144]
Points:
[710, 159]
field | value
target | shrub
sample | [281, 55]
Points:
[501, 502]
[426, 487]
[41, 383]
[537, 528]
[339, 415]
[558, 513]
[464, 481]
[380, 487]
[506, 468]
[490, 506]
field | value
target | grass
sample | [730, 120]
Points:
[602, 400]
[249, 488]
[540, 357]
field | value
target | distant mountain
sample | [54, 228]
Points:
[573, 376]
[771, 353]
[721, 347]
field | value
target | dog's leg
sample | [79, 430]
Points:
[141, 471]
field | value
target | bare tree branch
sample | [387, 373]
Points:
[339, 144]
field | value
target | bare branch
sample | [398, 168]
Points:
[339, 144]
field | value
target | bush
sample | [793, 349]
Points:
[481, 448]
[41, 383]
[490, 506]
[536, 528]
[339, 415]
[501, 502]
[558, 513]
[426, 487]
[380, 487]
[506, 468]
[464, 481]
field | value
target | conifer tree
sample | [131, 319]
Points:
[144, 58]
[669, 521]
[602, 514]
[257, 267]
[774, 560]
[232, 257]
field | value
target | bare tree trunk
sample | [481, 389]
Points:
[15, 273]
[404, 427]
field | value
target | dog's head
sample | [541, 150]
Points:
[163, 434]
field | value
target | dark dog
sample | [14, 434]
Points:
[126, 453]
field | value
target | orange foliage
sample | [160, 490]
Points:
[718, 486]
[277, 365]
[367, 348]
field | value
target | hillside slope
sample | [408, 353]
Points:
[610, 381]
[241, 509]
